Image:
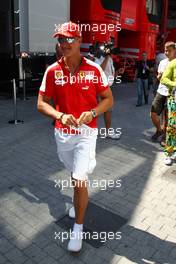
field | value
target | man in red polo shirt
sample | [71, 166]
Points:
[73, 82]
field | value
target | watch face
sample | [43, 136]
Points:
[94, 113]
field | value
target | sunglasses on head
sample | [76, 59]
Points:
[65, 39]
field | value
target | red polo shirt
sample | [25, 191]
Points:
[74, 94]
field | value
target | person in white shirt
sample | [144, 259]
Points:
[107, 65]
[159, 57]
[159, 102]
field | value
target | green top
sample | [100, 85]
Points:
[169, 75]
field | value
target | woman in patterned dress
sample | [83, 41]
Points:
[169, 79]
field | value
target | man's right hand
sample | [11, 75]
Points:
[69, 120]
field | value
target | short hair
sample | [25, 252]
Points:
[170, 44]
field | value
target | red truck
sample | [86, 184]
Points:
[142, 23]
[171, 21]
[139, 20]
[100, 20]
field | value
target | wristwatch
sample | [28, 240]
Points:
[94, 113]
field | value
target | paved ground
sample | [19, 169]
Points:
[30, 203]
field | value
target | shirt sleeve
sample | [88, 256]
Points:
[112, 67]
[160, 67]
[97, 61]
[167, 77]
[47, 86]
[102, 81]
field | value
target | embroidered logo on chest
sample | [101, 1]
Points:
[59, 77]
[88, 75]
[58, 74]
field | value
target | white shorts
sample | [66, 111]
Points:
[77, 152]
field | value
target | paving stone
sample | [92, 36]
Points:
[41, 241]
[30, 262]
[5, 245]
[16, 256]
[54, 251]
[48, 260]
[35, 253]
[3, 260]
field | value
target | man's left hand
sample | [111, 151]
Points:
[85, 118]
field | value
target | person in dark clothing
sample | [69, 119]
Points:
[144, 68]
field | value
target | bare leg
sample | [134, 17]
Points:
[107, 119]
[80, 200]
[165, 117]
[156, 121]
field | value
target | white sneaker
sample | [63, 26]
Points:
[71, 212]
[168, 161]
[75, 243]
[114, 136]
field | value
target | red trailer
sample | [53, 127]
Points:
[97, 18]
[140, 20]
[168, 24]
[171, 21]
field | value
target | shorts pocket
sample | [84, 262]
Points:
[92, 156]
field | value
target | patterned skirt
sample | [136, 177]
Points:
[170, 148]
